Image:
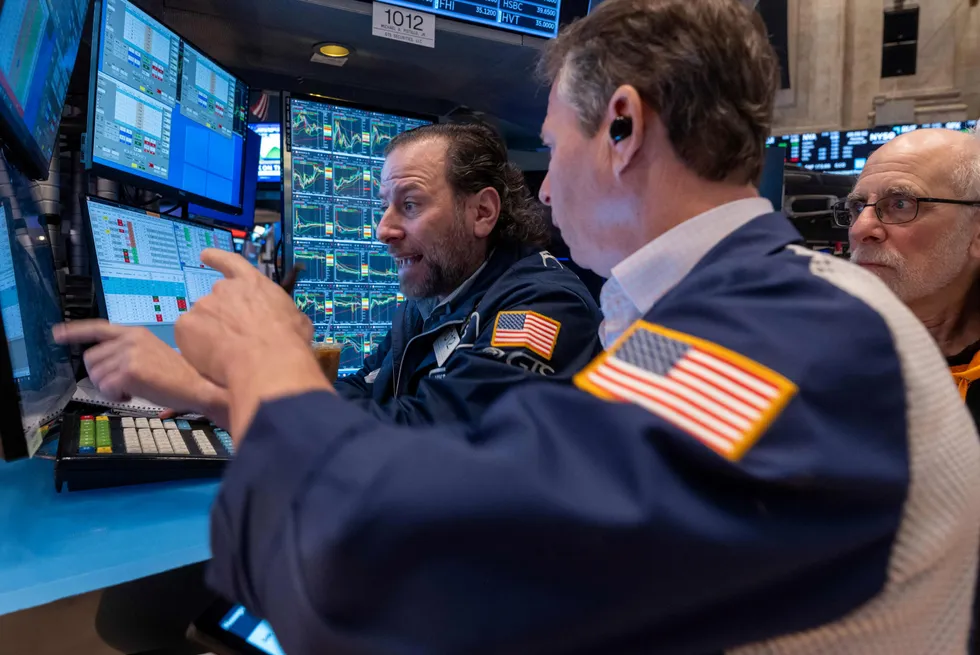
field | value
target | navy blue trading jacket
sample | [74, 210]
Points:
[775, 458]
[449, 366]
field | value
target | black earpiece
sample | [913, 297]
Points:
[620, 128]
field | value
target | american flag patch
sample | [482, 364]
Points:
[721, 398]
[528, 330]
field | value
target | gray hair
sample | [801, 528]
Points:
[965, 175]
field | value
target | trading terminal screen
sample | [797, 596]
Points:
[538, 18]
[149, 266]
[350, 285]
[30, 306]
[846, 152]
[164, 112]
[13, 320]
[270, 152]
[37, 56]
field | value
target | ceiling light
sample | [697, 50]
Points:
[333, 50]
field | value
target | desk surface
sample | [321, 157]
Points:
[57, 545]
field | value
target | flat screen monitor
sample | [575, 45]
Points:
[162, 115]
[148, 266]
[846, 151]
[331, 180]
[270, 155]
[541, 18]
[246, 218]
[36, 379]
[38, 48]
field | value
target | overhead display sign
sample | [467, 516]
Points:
[538, 18]
[409, 26]
[846, 151]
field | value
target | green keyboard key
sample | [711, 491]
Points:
[86, 435]
[103, 436]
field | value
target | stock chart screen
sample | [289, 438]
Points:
[164, 112]
[539, 18]
[847, 151]
[349, 287]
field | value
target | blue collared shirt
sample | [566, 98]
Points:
[643, 278]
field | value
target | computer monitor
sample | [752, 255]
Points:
[246, 218]
[331, 180]
[270, 156]
[771, 184]
[37, 55]
[846, 151]
[36, 378]
[162, 115]
[148, 268]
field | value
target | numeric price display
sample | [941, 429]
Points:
[538, 18]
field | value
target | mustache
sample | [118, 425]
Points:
[874, 255]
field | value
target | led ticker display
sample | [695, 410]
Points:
[847, 151]
[538, 18]
[349, 286]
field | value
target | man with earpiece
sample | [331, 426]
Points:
[769, 456]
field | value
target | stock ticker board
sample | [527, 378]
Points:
[538, 18]
[349, 287]
[846, 151]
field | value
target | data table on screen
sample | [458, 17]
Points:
[150, 268]
[163, 112]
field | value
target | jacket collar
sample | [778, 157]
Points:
[646, 275]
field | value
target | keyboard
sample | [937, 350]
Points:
[111, 451]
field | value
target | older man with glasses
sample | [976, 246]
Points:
[914, 220]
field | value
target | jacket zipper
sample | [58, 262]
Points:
[401, 362]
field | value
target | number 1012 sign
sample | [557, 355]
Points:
[405, 25]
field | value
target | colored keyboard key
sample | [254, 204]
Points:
[86, 435]
[183, 425]
[225, 440]
[103, 437]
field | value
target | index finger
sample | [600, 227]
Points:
[230, 264]
[86, 331]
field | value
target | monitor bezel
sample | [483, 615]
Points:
[103, 170]
[13, 441]
[19, 146]
[90, 236]
[287, 155]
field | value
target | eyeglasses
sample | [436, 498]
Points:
[891, 210]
